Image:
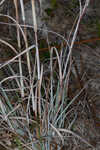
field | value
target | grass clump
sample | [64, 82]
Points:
[34, 101]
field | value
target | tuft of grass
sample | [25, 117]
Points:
[34, 101]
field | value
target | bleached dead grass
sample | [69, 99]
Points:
[36, 111]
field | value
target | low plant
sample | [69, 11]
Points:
[34, 95]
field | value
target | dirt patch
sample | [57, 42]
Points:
[86, 56]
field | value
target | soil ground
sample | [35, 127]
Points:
[87, 60]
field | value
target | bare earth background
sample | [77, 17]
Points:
[60, 19]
